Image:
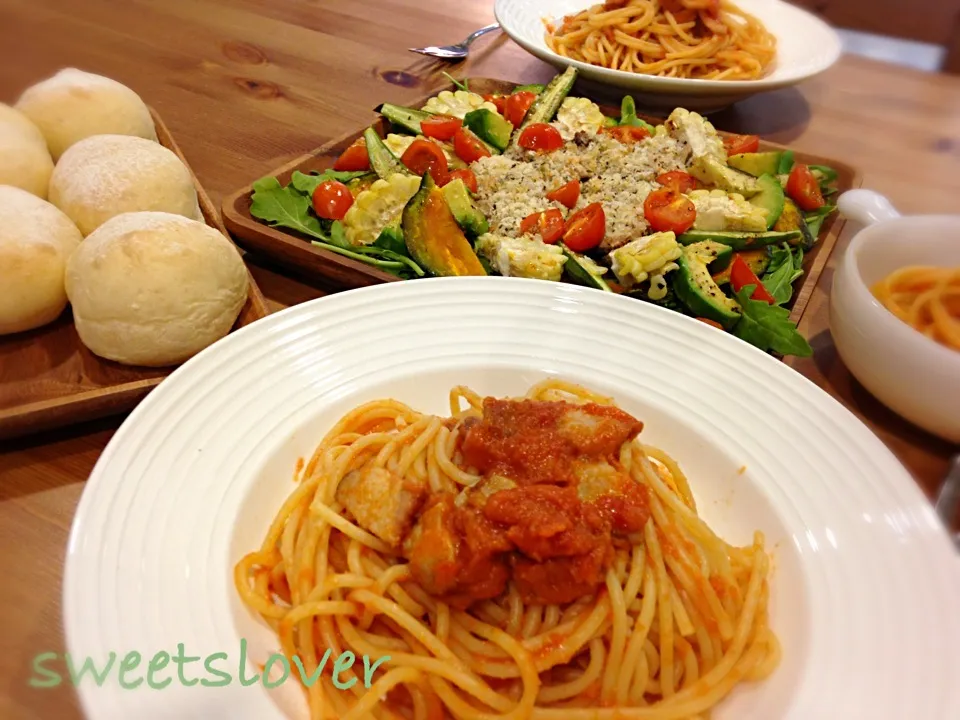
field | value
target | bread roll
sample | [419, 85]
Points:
[14, 120]
[107, 175]
[151, 288]
[36, 241]
[73, 105]
[24, 159]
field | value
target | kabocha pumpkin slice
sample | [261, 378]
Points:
[433, 237]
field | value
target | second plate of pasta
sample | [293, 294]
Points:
[710, 53]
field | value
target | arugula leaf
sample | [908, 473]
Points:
[391, 245]
[410, 264]
[628, 115]
[827, 174]
[285, 207]
[465, 85]
[768, 327]
[781, 272]
[308, 183]
[786, 162]
[815, 218]
[280, 206]
[338, 236]
[388, 264]
[391, 238]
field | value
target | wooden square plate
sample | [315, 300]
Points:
[289, 248]
[49, 379]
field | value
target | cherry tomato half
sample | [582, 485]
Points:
[741, 275]
[331, 200]
[440, 127]
[426, 156]
[541, 137]
[667, 211]
[585, 228]
[354, 158]
[499, 100]
[515, 109]
[468, 146]
[567, 195]
[736, 144]
[549, 224]
[804, 189]
[628, 134]
[678, 181]
[469, 179]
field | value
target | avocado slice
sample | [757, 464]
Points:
[535, 88]
[712, 171]
[382, 159]
[756, 260]
[697, 290]
[403, 118]
[578, 270]
[757, 164]
[716, 255]
[792, 220]
[433, 238]
[464, 210]
[489, 127]
[738, 240]
[770, 198]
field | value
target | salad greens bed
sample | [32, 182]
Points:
[722, 240]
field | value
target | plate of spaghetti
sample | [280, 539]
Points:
[501, 498]
[710, 52]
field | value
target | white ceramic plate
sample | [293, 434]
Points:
[864, 595]
[806, 46]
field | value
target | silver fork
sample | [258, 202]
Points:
[949, 497]
[458, 51]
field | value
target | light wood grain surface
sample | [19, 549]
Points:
[245, 85]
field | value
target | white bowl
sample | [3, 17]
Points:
[864, 592]
[806, 46]
[908, 372]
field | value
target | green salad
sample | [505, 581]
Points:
[540, 184]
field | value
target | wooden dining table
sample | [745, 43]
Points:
[245, 85]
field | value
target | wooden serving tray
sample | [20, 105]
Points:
[289, 248]
[48, 378]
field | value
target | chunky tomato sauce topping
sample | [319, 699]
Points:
[532, 441]
[552, 498]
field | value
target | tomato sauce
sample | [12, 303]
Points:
[551, 530]
[532, 441]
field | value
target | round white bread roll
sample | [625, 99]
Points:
[154, 289]
[36, 241]
[13, 119]
[24, 159]
[107, 175]
[73, 105]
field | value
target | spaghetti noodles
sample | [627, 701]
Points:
[703, 39]
[927, 299]
[677, 619]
